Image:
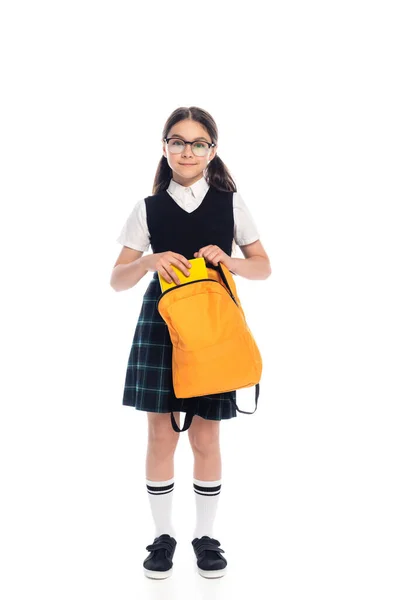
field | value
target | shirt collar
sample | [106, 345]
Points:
[198, 189]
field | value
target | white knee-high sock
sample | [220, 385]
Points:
[207, 496]
[160, 494]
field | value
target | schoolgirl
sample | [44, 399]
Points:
[194, 211]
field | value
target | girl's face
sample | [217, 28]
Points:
[187, 167]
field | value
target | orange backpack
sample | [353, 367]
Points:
[213, 350]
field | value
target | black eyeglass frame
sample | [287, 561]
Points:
[209, 144]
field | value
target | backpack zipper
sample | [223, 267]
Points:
[196, 281]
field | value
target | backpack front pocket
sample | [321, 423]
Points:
[202, 316]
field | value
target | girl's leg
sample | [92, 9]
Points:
[161, 446]
[204, 439]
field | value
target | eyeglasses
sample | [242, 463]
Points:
[199, 148]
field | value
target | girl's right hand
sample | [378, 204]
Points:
[162, 261]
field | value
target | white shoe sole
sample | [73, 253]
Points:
[157, 574]
[212, 574]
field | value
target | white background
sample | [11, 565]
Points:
[306, 98]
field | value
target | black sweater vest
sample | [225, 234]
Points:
[172, 228]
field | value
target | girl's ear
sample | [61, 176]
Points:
[164, 150]
[212, 155]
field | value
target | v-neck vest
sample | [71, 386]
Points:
[172, 228]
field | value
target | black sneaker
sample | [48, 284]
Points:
[158, 565]
[210, 562]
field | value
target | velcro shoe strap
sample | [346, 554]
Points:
[208, 546]
[163, 545]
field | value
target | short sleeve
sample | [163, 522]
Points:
[245, 230]
[135, 233]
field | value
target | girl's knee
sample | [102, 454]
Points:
[204, 435]
[160, 431]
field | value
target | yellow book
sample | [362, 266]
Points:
[198, 270]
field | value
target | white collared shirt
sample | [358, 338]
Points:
[135, 233]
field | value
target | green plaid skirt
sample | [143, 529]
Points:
[148, 381]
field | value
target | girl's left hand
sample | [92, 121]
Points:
[214, 255]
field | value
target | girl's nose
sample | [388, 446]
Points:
[188, 150]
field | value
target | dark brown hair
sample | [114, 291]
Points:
[216, 173]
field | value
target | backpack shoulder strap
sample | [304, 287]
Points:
[257, 392]
[188, 421]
